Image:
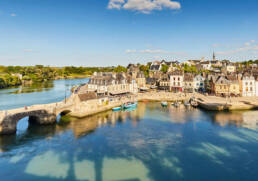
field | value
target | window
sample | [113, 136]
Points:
[246, 89]
[251, 88]
[225, 87]
[251, 83]
[246, 83]
[174, 78]
[178, 78]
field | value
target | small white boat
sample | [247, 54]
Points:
[164, 103]
[187, 104]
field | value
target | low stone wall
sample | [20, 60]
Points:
[164, 96]
[95, 106]
[213, 103]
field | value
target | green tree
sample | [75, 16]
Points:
[164, 68]
[120, 68]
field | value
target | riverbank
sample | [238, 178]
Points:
[213, 103]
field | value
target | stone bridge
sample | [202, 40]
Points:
[38, 114]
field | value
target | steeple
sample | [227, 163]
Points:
[214, 57]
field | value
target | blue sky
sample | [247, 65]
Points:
[112, 32]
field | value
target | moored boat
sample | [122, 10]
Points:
[129, 105]
[187, 104]
[116, 109]
[164, 103]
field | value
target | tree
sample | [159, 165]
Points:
[120, 68]
[164, 68]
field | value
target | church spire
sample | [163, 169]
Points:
[214, 57]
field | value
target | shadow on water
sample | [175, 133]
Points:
[149, 143]
[35, 87]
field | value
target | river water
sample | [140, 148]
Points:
[150, 143]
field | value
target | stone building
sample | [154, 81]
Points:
[112, 84]
[188, 83]
[164, 82]
[141, 80]
[221, 86]
[234, 88]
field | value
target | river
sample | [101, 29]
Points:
[150, 143]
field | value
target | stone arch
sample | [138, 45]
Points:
[63, 112]
[9, 124]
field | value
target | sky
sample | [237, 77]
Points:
[118, 32]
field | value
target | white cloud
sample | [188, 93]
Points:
[13, 14]
[144, 6]
[115, 4]
[130, 51]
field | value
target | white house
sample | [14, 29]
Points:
[176, 81]
[256, 86]
[199, 82]
[248, 85]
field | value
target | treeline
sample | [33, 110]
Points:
[15, 75]
[9, 80]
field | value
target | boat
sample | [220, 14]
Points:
[116, 109]
[187, 104]
[164, 103]
[176, 104]
[129, 105]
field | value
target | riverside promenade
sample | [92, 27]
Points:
[75, 107]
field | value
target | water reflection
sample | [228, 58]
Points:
[247, 119]
[37, 93]
[149, 143]
[35, 87]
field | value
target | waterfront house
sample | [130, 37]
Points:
[210, 83]
[188, 83]
[112, 84]
[248, 85]
[256, 86]
[141, 80]
[164, 82]
[234, 88]
[176, 81]
[199, 83]
[221, 87]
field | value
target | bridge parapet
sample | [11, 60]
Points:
[40, 114]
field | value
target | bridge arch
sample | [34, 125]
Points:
[9, 123]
